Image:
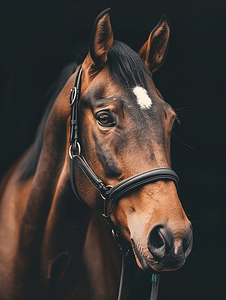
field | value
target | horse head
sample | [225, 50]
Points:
[125, 129]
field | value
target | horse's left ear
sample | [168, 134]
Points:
[154, 51]
[101, 38]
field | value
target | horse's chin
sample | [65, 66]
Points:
[148, 264]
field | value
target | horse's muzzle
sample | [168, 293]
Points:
[168, 248]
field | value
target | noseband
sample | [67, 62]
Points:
[107, 192]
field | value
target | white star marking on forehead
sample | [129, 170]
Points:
[142, 97]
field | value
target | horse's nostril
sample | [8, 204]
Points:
[159, 241]
[156, 239]
[162, 241]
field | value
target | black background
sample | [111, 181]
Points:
[38, 38]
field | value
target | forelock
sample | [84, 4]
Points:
[126, 67]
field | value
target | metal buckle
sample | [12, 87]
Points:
[109, 187]
[70, 150]
[73, 96]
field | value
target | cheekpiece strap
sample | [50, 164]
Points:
[74, 98]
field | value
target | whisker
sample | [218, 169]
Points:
[186, 146]
[135, 283]
[186, 110]
[196, 221]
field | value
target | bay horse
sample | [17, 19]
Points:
[117, 163]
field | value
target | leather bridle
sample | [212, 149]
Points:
[107, 192]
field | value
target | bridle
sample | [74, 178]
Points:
[107, 192]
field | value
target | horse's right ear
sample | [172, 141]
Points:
[101, 40]
[154, 51]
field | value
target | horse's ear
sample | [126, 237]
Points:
[154, 51]
[101, 39]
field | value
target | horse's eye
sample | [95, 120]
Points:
[105, 119]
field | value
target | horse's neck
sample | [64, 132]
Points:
[50, 231]
[54, 235]
[53, 219]
[50, 175]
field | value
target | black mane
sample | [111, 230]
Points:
[126, 67]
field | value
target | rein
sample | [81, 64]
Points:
[107, 192]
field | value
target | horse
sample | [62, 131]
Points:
[105, 152]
